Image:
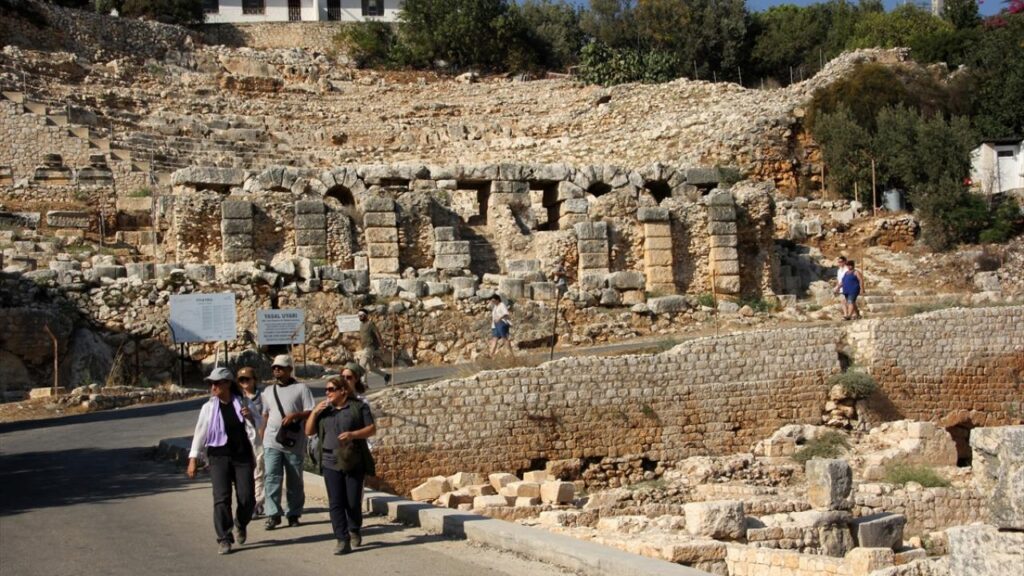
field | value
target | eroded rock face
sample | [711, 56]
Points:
[721, 520]
[998, 457]
[983, 550]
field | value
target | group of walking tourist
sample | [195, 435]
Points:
[256, 443]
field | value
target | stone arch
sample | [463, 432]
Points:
[961, 434]
[659, 189]
[343, 225]
[598, 189]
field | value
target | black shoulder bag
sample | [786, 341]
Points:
[290, 435]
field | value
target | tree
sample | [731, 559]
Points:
[460, 32]
[905, 26]
[181, 12]
[845, 149]
[997, 77]
[962, 14]
[786, 37]
[555, 31]
[611, 22]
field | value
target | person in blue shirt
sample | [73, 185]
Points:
[852, 287]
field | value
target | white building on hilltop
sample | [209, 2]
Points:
[240, 11]
[997, 166]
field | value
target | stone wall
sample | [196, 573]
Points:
[927, 509]
[316, 36]
[706, 396]
[91, 35]
[953, 367]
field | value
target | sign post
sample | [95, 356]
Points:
[285, 326]
[201, 318]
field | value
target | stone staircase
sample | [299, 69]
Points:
[901, 302]
[481, 249]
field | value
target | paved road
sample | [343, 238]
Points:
[82, 495]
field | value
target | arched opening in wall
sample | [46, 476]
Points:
[659, 189]
[961, 433]
[469, 200]
[599, 189]
[342, 224]
[544, 197]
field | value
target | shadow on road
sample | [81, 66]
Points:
[106, 416]
[34, 480]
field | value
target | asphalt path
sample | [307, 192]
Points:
[84, 495]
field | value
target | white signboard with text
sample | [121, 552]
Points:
[287, 326]
[203, 317]
[348, 323]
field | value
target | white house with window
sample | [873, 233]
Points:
[997, 166]
[239, 11]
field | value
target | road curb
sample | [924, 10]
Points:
[534, 543]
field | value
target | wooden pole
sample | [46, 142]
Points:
[554, 325]
[874, 189]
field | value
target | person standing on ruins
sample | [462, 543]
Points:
[501, 324]
[286, 405]
[838, 288]
[226, 437]
[853, 286]
[372, 342]
[247, 381]
[343, 423]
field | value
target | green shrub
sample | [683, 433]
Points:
[829, 445]
[706, 299]
[368, 44]
[856, 384]
[901, 473]
[1003, 223]
[181, 12]
[758, 304]
[600, 64]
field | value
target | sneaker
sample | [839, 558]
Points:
[342, 547]
[240, 535]
[272, 522]
[293, 521]
[357, 539]
[224, 548]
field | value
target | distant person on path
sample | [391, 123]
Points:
[372, 343]
[840, 272]
[226, 437]
[247, 381]
[343, 423]
[500, 325]
[853, 286]
[286, 405]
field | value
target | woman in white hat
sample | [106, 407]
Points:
[226, 437]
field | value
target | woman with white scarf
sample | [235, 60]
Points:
[226, 437]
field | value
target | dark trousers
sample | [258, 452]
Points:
[345, 498]
[225, 471]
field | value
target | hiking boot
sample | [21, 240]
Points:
[224, 548]
[272, 522]
[240, 535]
[342, 547]
[357, 539]
[293, 521]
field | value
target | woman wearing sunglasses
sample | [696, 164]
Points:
[343, 423]
[226, 437]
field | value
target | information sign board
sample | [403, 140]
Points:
[287, 326]
[203, 317]
[348, 323]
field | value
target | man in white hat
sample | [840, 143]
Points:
[286, 405]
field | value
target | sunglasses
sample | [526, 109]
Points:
[244, 379]
[330, 389]
[218, 382]
[350, 377]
